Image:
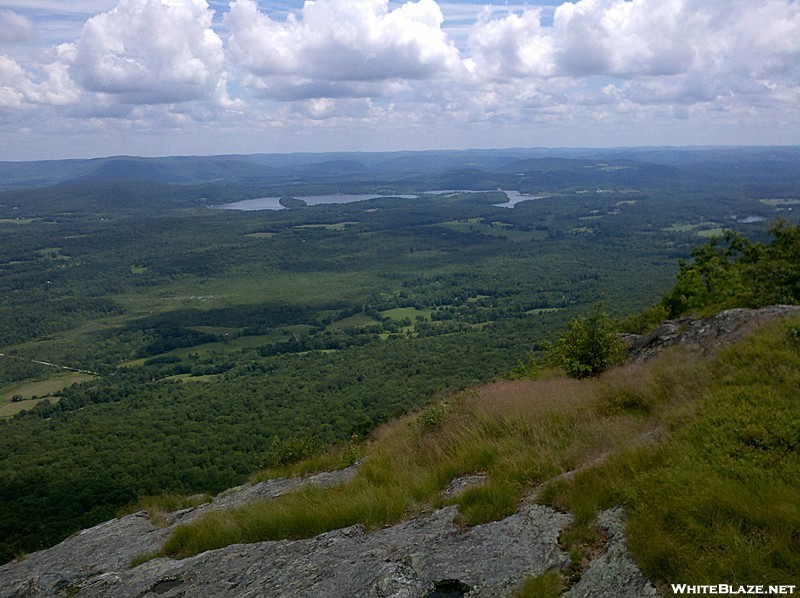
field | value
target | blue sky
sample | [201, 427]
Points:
[162, 77]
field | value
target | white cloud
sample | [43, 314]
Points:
[14, 85]
[632, 54]
[403, 70]
[15, 28]
[641, 38]
[588, 38]
[21, 92]
[338, 48]
[625, 39]
[512, 46]
[150, 52]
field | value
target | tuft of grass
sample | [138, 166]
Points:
[333, 459]
[584, 541]
[160, 505]
[547, 585]
[140, 559]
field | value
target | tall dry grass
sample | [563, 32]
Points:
[519, 434]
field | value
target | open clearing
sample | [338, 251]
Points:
[334, 226]
[32, 392]
[712, 232]
[492, 229]
[400, 313]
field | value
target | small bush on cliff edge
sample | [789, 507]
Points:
[588, 346]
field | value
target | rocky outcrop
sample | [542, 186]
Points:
[407, 559]
[102, 551]
[613, 573]
[425, 556]
[706, 334]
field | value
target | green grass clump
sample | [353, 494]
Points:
[142, 558]
[547, 585]
[160, 505]
[333, 459]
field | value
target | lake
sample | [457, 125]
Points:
[515, 197]
[273, 203]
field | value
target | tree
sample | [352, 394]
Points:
[714, 276]
[731, 271]
[587, 346]
[774, 272]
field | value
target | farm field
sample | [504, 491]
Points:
[29, 394]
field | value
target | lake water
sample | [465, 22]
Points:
[515, 197]
[273, 203]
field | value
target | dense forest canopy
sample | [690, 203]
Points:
[161, 345]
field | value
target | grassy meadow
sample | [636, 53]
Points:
[30, 393]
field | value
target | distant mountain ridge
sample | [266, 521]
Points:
[279, 168]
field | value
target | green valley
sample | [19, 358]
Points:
[309, 326]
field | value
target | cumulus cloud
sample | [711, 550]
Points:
[630, 55]
[416, 66]
[14, 84]
[640, 38]
[513, 46]
[588, 38]
[19, 89]
[150, 52]
[622, 38]
[338, 48]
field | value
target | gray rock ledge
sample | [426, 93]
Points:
[613, 573]
[708, 334]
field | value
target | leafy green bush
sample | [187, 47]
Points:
[286, 451]
[588, 345]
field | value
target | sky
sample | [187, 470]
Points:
[88, 78]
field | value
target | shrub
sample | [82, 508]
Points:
[588, 345]
[286, 451]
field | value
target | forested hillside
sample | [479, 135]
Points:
[209, 343]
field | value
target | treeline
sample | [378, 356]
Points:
[19, 323]
[733, 271]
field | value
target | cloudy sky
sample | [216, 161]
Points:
[83, 78]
